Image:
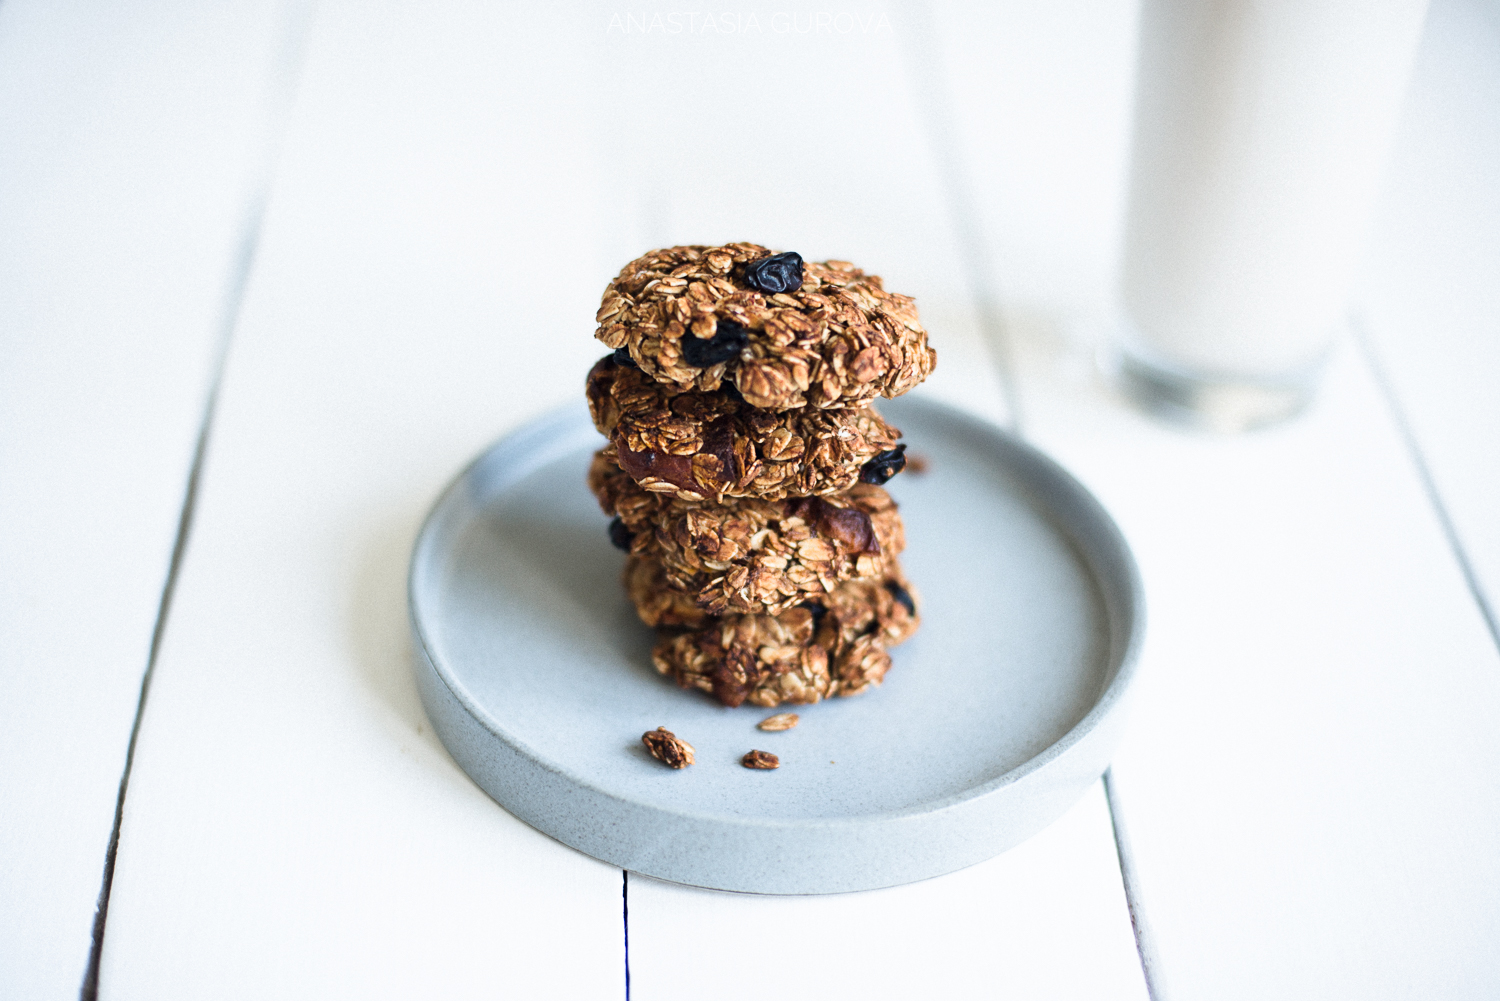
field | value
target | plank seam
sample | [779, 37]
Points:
[625, 909]
[290, 72]
[934, 106]
[925, 65]
[1372, 360]
[1145, 941]
[184, 524]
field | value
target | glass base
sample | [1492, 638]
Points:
[1209, 401]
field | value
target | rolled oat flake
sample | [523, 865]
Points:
[760, 760]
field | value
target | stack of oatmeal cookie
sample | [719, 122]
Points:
[745, 463]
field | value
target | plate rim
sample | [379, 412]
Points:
[567, 418]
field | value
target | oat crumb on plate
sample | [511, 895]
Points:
[760, 760]
[668, 748]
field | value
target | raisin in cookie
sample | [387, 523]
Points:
[835, 646]
[786, 333]
[709, 446]
[752, 555]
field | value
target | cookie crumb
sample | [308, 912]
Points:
[916, 463]
[781, 721]
[761, 760]
[668, 748]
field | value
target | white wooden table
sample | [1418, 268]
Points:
[271, 272]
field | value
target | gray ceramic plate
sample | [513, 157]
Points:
[993, 720]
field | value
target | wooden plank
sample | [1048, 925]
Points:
[130, 144]
[1306, 778]
[1023, 924]
[1040, 133]
[1307, 783]
[1431, 304]
[458, 186]
[831, 159]
[424, 283]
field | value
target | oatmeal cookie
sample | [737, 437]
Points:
[835, 646]
[656, 601]
[752, 555]
[785, 332]
[709, 446]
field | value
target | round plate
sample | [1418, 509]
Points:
[993, 720]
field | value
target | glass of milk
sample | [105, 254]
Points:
[1261, 129]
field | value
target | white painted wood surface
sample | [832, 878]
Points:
[1039, 128]
[430, 290]
[1308, 779]
[130, 145]
[296, 487]
[870, 166]
[1004, 928]
[694, 142]
[1308, 782]
[1431, 297]
[294, 828]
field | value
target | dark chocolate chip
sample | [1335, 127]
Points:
[777, 273]
[885, 465]
[902, 596]
[622, 357]
[620, 536]
[729, 339]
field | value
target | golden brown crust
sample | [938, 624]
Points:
[656, 601]
[839, 340]
[754, 555]
[836, 646]
[711, 446]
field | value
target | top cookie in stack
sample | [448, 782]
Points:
[745, 463]
[786, 333]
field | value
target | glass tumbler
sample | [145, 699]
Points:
[1261, 131]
